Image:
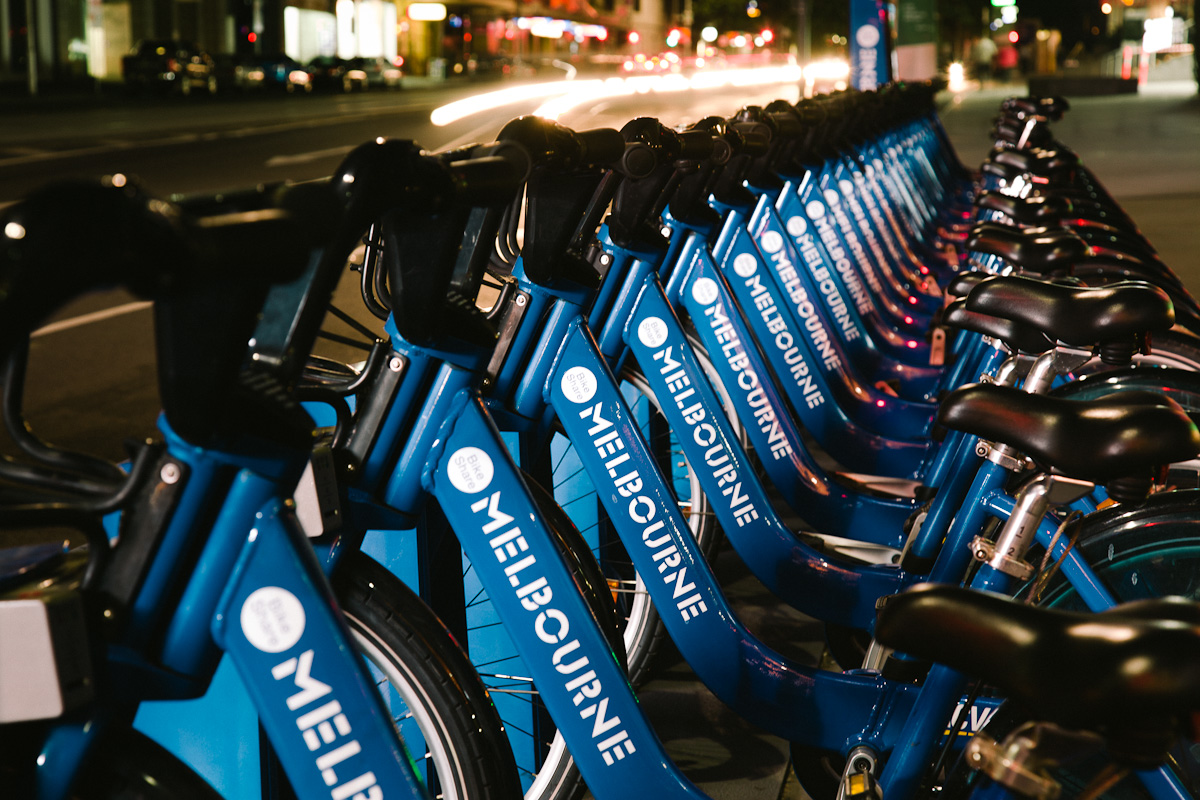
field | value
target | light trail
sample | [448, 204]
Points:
[562, 96]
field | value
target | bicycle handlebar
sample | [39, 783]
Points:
[554, 145]
[72, 238]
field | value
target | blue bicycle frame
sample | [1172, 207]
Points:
[258, 595]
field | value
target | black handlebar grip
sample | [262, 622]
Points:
[512, 152]
[601, 146]
[72, 238]
[786, 123]
[549, 143]
[722, 151]
[810, 112]
[695, 145]
[755, 142]
[638, 161]
[756, 129]
[488, 181]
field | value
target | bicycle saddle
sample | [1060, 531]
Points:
[1132, 671]
[1010, 129]
[962, 283]
[1041, 163]
[1032, 250]
[1081, 315]
[1038, 210]
[1001, 171]
[1121, 435]
[1015, 335]
[1051, 107]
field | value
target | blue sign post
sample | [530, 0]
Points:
[868, 44]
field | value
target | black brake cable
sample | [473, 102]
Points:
[510, 229]
[353, 323]
[959, 722]
[1072, 525]
[369, 267]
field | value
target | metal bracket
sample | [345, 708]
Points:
[985, 550]
[937, 347]
[318, 503]
[510, 323]
[1002, 456]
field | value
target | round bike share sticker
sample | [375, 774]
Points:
[704, 291]
[745, 265]
[771, 242]
[578, 384]
[470, 470]
[652, 331]
[272, 619]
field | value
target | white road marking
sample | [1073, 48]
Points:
[95, 316]
[304, 158]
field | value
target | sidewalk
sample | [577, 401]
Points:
[1142, 147]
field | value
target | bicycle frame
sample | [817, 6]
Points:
[256, 593]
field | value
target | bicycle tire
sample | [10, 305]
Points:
[642, 628]
[1181, 385]
[443, 706]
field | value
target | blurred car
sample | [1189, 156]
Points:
[236, 73]
[330, 73]
[381, 72]
[169, 65]
[281, 72]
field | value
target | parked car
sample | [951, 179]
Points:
[282, 72]
[257, 71]
[169, 65]
[236, 73]
[330, 73]
[381, 72]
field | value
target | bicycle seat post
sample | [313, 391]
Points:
[1007, 553]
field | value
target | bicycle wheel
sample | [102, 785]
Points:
[547, 770]
[438, 704]
[642, 629]
[1150, 550]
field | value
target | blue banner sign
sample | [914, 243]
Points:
[868, 44]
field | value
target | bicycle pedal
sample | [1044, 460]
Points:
[860, 786]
